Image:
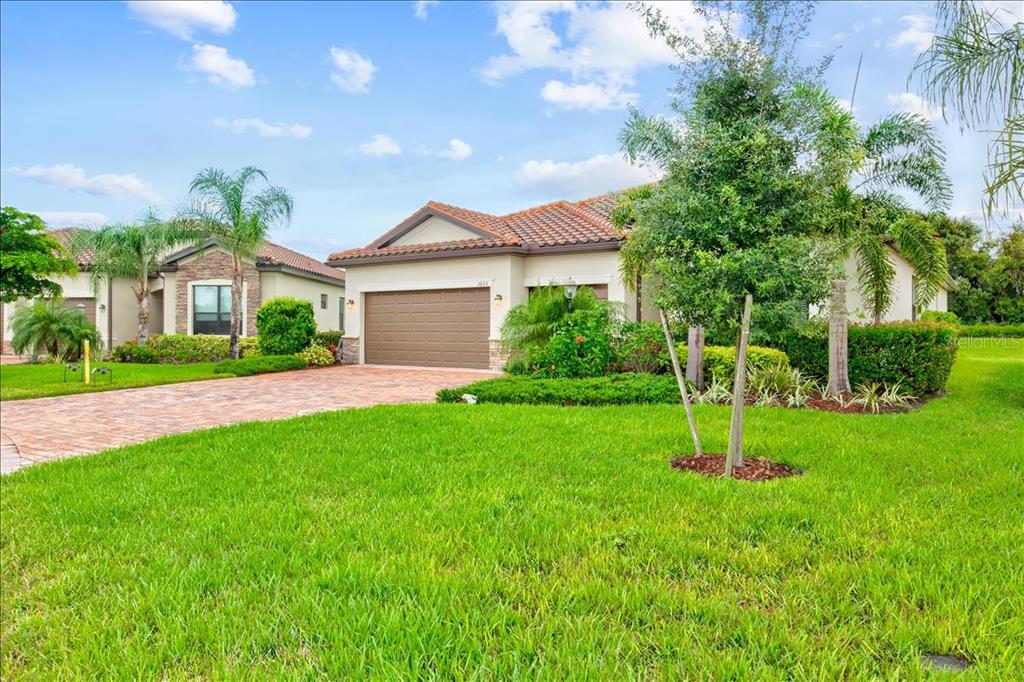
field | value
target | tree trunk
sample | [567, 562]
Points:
[236, 305]
[838, 342]
[687, 405]
[734, 458]
[143, 299]
[695, 356]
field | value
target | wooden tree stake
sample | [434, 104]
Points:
[734, 458]
[682, 383]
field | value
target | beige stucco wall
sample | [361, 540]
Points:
[277, 284]
[598, 267]
[902, 307]
[432, 230]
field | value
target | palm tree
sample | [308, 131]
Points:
[975, 68]
[862, 173]
[228, 209]
[47, 326]
[528, 326]
[133, 251]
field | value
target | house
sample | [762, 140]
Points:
[435, 289]
[191, 292]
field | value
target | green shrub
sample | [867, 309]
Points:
[642, 348]
[940, 316]
[130, 351]
[317, 356]
[188, 348]
[581, 346]
[265, 364]
[286, 326]
[249, 347]
[327, 339]
[976, 331]
[918, 355]
[720, 361]
[613, 389]
[529, 326]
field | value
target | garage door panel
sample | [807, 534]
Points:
[434, 328]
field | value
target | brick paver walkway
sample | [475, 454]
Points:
[45, 429]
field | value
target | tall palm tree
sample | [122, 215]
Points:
[133, 251]
[975, 68]
[232, 210]
[864, 175]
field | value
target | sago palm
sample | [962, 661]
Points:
[233, 210]
[133, 251]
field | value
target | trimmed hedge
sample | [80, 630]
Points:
[720, 361]
[613, 389]
[130, 351]
[285, 325]
[976, 331]
[919, 355]
[188, 348]
[264, 364]
[326, 339]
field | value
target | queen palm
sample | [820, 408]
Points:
[234, 211]
[865, 175]
[133, 251]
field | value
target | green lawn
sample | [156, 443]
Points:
[38, 381]
[500, 542]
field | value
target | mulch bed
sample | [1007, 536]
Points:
[850, 408]
[754, 469]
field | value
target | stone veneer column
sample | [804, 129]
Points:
[497, 358]
[350, 350]
[214, 264]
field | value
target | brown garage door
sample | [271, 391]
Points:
[436, 328]
[86, 306]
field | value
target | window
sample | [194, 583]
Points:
[211, 309]
[341, 313]
[323, 301]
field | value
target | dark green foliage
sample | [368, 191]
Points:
[642, 348]
[286, 326]
[131, 351]
[264, 364]
[614, 389]
[992, 330]
[528, 326]
[919, 355]
[326, 339]
[581, 346]
[28, 256]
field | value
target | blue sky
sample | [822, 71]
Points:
[365, 111]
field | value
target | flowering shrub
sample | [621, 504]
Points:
[317, 356]
[581, 346]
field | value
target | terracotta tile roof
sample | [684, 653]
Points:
[559, 223]
[65, 235]
[275, 254]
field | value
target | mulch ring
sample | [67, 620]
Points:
[830, 405]
[754, 469]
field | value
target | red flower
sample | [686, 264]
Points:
[580, 339]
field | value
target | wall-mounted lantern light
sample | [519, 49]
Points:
[498, 299]
[570, 288]
[103, 307]
[350, 303]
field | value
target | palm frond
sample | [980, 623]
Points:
[649, 139]
[917, 243]
[875, 272]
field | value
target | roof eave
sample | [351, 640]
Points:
[516, 250]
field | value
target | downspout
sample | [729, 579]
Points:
[110, 313]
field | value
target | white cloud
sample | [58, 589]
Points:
[69, 176]
[604, 45]
[181, 18]
[912, 104]
[420, 8]
[846, 105]
[221, 68]
[264, 129]
[352, 72]
[457, 150]
[601, 173]
[917, 35]
[381, 145]
[72, 218]
[586, 96]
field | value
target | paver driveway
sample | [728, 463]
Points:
[53, 428]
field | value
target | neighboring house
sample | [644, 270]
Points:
[191, 292]
[435, 289]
